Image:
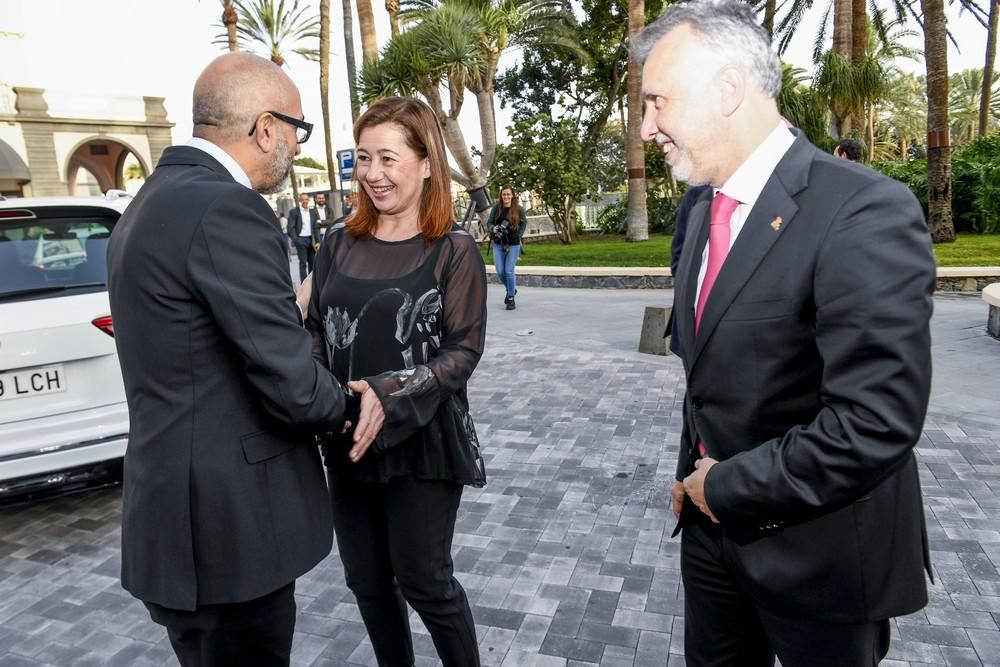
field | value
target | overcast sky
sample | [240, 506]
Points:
[158, 47]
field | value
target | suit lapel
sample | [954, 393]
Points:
[756, 238]
[690, 265]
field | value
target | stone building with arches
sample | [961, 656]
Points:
[103, 143]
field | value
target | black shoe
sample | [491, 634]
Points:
[510, 303]
[507, 300]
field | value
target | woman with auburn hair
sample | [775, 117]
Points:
[398, 312]
[506, 228]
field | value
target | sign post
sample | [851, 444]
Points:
[345, 160]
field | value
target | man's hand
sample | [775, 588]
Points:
[677, 498]
[694, 485]
[304, 293]
[369, 423]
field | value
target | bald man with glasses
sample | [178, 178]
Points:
[224, 501]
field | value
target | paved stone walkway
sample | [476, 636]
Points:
[566, 553]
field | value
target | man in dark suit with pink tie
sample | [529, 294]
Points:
[803, 296]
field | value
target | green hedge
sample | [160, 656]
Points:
[975, 179]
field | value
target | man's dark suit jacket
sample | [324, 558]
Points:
[295, 223]
[809, 380]
[692, 195]
[224, 500]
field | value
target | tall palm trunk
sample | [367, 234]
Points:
[991, 54]
[352, 70]
[324, 99]
[637, 223]
[843, 40]
[366, 21]
[769, 10]
[942, 227]
[392, 8]
[230, 19]
[859, 45]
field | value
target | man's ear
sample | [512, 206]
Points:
[264, 136]
[732, 82]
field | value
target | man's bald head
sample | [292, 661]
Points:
[233, 90]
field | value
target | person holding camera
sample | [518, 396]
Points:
[397, 310]
[506, 228]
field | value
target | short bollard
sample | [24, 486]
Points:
[654, 326]
[991, 295]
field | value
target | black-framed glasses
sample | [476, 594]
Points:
[303, 130]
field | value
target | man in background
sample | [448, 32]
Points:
[849, 149]
[303, 230]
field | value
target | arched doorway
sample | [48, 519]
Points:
[101, 164]
[13, 172]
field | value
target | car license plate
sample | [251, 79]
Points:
[32, 382]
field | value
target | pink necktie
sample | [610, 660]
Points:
[718, 247]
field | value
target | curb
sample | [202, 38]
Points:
[962, 279]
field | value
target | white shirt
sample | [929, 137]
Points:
[307, 227]
[321, 212]
[746, 184]
[233, 167]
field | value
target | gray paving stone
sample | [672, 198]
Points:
[566, 554]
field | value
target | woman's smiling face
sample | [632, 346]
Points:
[391, 172]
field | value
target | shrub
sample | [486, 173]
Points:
[660, 209]
[975, 180]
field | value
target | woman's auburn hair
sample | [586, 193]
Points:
[514, 216]
[423, 135]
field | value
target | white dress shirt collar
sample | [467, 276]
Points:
[233, 167]
[749, 179]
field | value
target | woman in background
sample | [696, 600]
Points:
[506, 227]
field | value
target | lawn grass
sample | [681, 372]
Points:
[612, 250]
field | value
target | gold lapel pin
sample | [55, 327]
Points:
[776, 223]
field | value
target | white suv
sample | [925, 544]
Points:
[63, 417]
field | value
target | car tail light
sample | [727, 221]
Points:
[105, 324]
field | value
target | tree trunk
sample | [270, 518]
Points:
[843, 40]
[324, 98]
[392, 7]
[870, 136]
[295, 184]
[366, 22]
[637, 221]
[939, 220]
[230, 19]
[770, 7]
[352, 70]
[859, 30]
[488, 131]
[991, 53]
[454, 140]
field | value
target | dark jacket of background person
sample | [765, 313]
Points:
[808, 381]
[513, 236]
[676, 245]
[224, 501]
[295, 223]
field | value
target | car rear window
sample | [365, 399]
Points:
[44, 257]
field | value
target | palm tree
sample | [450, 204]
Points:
[938, 145]
[277, 32]
[324, 97]
[965, 102]
[991, 54]
[902, 114]
[352, 70]
[392, 8]
[369, 40]
[635, 155]
[457, 44]
[803, 106]
[229, 19]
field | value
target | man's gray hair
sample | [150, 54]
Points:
[728, 27]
